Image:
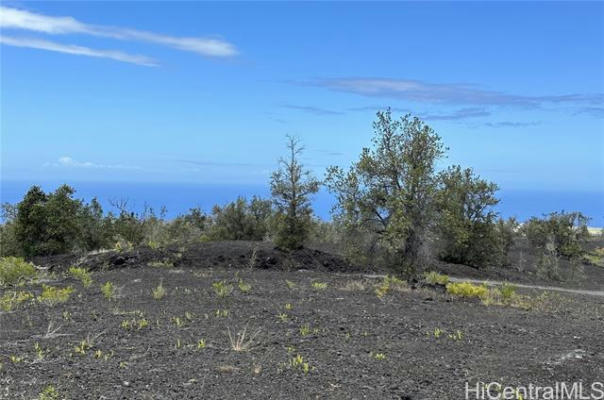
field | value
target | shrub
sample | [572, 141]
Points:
[468, 290]
[9, 300]
[108, 290]
[14, 270]
[389, 191]
[434, 278]
[507, 291]
[559, 236]
[291, 188]
[52, 295]
[82, 275]
[158, 292]
[241, 220]
[222, 289]
[466, 228]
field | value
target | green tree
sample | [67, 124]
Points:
[389, 191]
[466, 221]
[239, 220]
[291, 188]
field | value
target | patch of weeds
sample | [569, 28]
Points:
[52, 295]
[15, 359]
[305, 330]
[434, 278]
[244, 287]
[189, 316]
[352, 286]
[82, 347]
[161, 264]
[457, 335]
[40, 353]
[379, 356]
[241, 341]
[159, 291]
[595, 257]
[14, 270]
[288, 306]
[319, 285]
[290, 284]
[221, 313]
[49, 393]
[201, 344]
[10, 299]
[108, 290]
[222, 289]
[298, 363]
[390, 283]
[468, 290]
[82, 275]
[134, 324]
[66, 315]
[283, 317]
[438, 332]
[179, 322]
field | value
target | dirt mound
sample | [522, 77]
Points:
[226, 254]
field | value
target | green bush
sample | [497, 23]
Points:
[434, 278]
[466, 223]
[240, 220]
[14, 270]
[467, 289]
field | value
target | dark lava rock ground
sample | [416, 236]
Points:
[303, 339]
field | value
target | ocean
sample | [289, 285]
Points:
[178, 198]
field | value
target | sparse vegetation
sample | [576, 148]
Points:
[222, 289]
[14, 270]
[159, 291]
[108, 290]
[467, 289]
[434, 278]
[52, 295]
[10, 299]
[82, 275]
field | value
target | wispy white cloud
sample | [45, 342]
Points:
[77, 50]
[447, 93]
[66, 161]
[11, 18]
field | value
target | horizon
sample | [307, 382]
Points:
[199, 93]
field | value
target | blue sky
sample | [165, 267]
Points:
[206, 92]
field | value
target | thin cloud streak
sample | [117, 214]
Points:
[66, 161]
[312, 109]
[11, 18]
[445, 93]
[77, 50]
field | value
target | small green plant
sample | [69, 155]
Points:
[49, 393]
[379, 356]
[390, 283]
[158, 292]
[244, 287]
[288, 306]
[220, 313]
[507, 291]
[434, 278]
[201, 344]
[82, 347]
[298, 363]
[66, 315]
[178, 344]
[179, 322]
[283, 317]
[161, 264]
[319, 285]
[82, 275]
[108, 290]
[10, 299]
[132, 324]
[222, 289]
[40, 353]
[290, 284]
[15, 359]
[14, 270]
[457, 335]
[468, 290]
[438, 332]
[52, 295]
